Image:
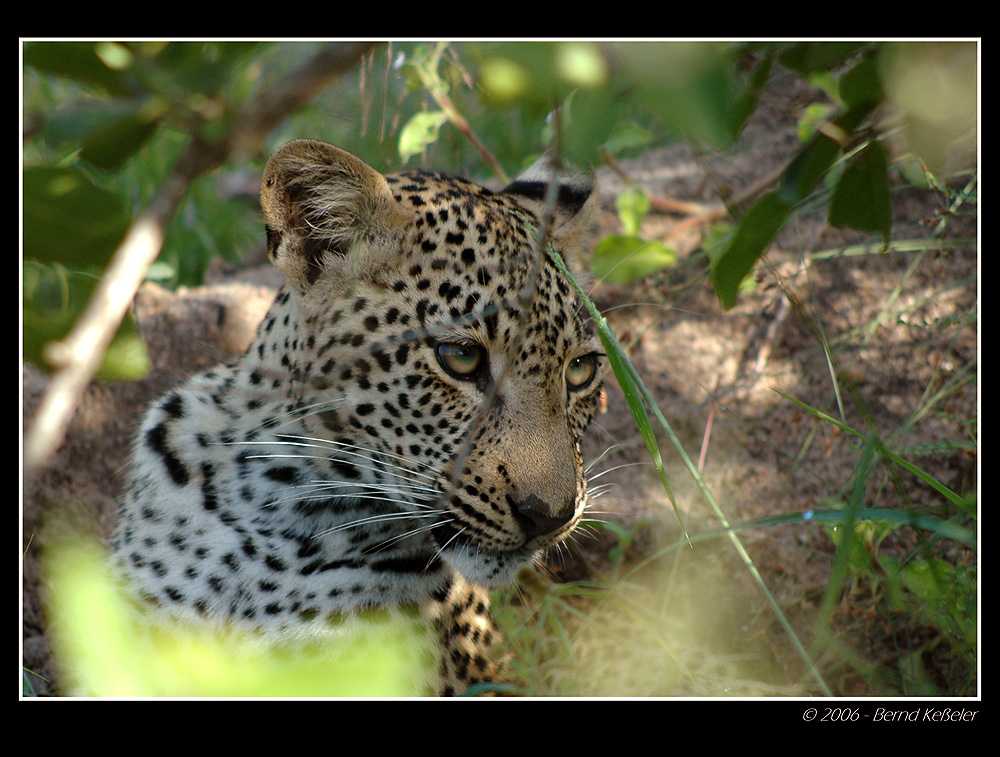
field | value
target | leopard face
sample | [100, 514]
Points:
[461, 363]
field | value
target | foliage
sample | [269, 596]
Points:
[106, 122]
[622, 258]
[111, 118]
[101, 118]
[115, 653]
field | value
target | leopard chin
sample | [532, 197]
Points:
[489, 568]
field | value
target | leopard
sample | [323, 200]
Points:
[404, 430]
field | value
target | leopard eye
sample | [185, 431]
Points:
[462, 361]
[580, 371]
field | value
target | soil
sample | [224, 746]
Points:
[901, 328]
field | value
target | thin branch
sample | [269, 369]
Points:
[459, 122]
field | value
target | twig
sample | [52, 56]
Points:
[79, 355]
[458, 121]
[663, 204]
[438, 90]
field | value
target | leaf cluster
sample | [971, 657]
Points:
[106, 120]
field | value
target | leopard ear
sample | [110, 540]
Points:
[321, 204]
[576, 204]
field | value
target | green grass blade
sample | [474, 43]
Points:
[963, 504]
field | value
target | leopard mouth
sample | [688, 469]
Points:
[494, 560]
[478, 563]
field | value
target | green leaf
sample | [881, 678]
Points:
[632, 205]
[67, 218]
[861, 92]
[808, 57]
[690, 84]
[420, 132]
[800, 178]
[748, 242]
[587, 118]
[111, 650]
[114, 140]
[623, 259]
[53, 299]
[749, 98]
[806, 170]
[203, 68]
[77, 61]
[861, 199]
[626, 135]
[504, 80]
[810, 119]
[861, 85]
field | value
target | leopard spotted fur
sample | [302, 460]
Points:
[405, 428]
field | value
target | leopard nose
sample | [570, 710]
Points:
[537, 518]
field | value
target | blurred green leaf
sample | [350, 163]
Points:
[199, 67]
[67, 218]
[813, 115]
[623, 259]
[77, 61]
[749, 98]
[111, 142]
[748, 242]
[625, 136]
[807, 168]
[691, 85]
[110, 650]
[420, 132]
[861, 199]
[861, 85]
[53, 298]
[935, 87]
[633, 204]
[504, 80]
[587, 119]
[529, 72]
[808, 57]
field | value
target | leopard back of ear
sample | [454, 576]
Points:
[575, 209]
[321, 205]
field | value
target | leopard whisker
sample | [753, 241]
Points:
[385, 470]
[322, 443]
[369, 492]
[600, 457]
[596, 492]
[438, 554]
[399, 537]
[297, 413]
[612, 469]
[384, 517]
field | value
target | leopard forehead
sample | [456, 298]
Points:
[468, 265]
